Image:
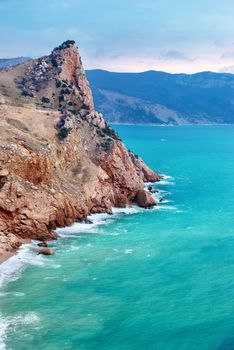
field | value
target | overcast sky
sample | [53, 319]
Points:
[124, 35]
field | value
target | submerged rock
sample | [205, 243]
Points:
[88, 221]
[43, 244]
[46, 251]
[152, 190]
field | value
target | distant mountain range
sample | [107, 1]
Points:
[11, 62]
[159, 97]
[163, 98]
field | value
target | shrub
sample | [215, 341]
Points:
[58, 83]
[54, 62]
[61, 98]
[65, 91]
[106, 144]
[45, 100]
[27, 93]
[60, 123]
[85, 106]
[65, 45]
[111, 133]
[63, 133]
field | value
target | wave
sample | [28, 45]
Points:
[128, 251]
[95, 220]
[11, 269]
[79, 227]
[165, 182]
[11, 322]
[167, 177]
[165, 207]
[16, 294]
[127, 210]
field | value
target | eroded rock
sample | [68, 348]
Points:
[59, 160]
[46, 251]
[144, 199]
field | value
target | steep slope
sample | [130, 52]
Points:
[59, 161]
[162, 98]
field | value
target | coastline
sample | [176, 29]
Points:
[171, 125]
[5, 255]
[72, 166]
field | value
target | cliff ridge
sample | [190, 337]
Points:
[59, 160]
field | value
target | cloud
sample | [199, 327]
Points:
[174, 55]
[227, 55]
[229, 69]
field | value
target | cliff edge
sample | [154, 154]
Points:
[59, 160]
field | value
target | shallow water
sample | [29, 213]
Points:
[154, 279]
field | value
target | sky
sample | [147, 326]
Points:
[175, 36]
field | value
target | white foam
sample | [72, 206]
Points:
[166, 201]
[73, 247]
[164, 207]
[10, 322]
[167, 177]
[78, 227]
[11, 269]
[16, 294]
[149, 184]
[95, 221]
[165, 182]
[3, 329]
[128, 251]
[127, 210]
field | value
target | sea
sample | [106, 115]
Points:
[156, 279]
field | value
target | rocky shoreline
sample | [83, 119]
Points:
[9, 246]
[59, 160]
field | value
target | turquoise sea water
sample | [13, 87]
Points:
[148, 279]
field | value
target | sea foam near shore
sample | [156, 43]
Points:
[7, 323]
[11, 269]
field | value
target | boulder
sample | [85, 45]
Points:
[144, 199]
[87, 221]
[46, 251]
[43, 244]
[152, 190]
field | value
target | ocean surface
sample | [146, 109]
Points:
[158, 279]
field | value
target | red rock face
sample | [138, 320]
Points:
[72, 71]
[58, 166]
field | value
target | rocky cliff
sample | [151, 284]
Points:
[59, 160]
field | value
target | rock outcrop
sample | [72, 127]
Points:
[144, 199]
[46, 251]
[59, 160]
